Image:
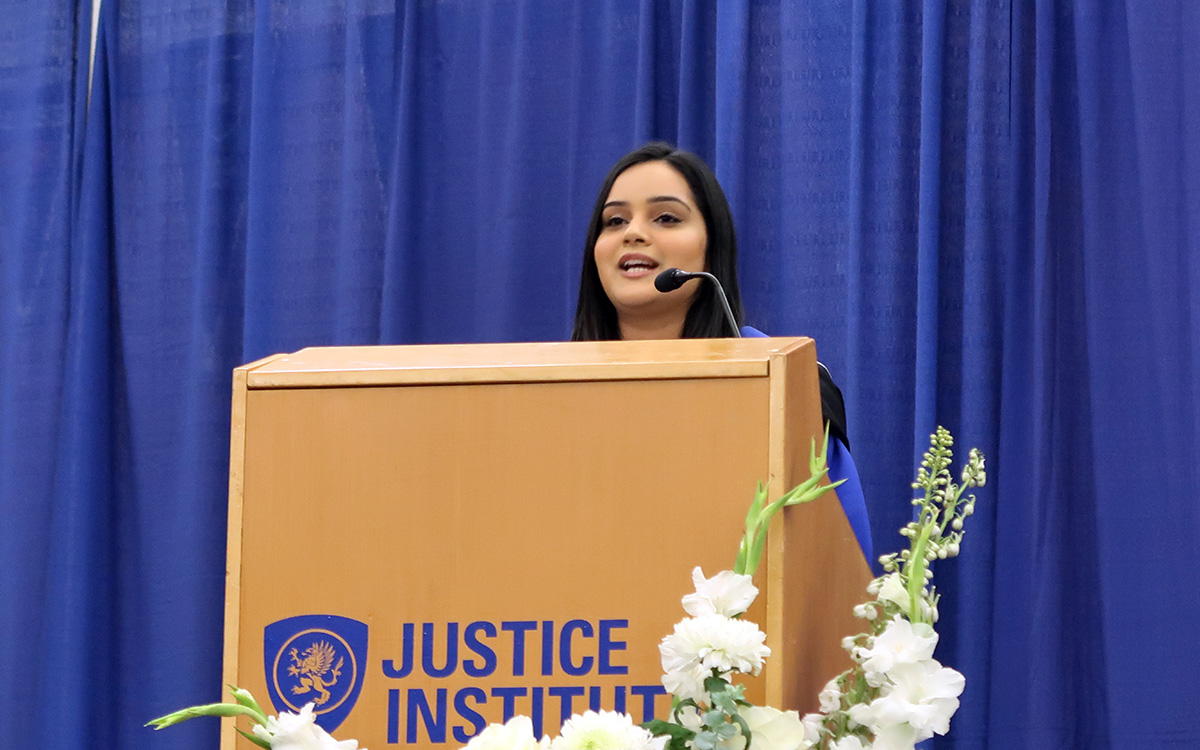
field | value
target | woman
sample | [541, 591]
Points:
[663, 208]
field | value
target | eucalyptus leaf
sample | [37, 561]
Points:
[704, 741]
[726, 731]
[737, 718]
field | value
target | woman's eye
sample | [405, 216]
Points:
[668, 219]
[613, 221]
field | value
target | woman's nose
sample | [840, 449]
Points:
[634, 232]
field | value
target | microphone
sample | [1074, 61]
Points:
[673, 278]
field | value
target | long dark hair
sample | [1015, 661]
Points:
[595, 316]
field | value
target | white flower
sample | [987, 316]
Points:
[898, 737]
[515, 734]
[712, 642]
[900, 643]
[606, 730]
[830, 697]
[866, 611]
[862, 714]
[727, 593]
[771, 729]
[687, 683]
[923, 695]
[849, 742]
[893, 590]
[290, 731]
[877, 680]
[689, 718]
[812, 727]
[929, 609]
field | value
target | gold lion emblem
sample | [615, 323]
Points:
[315, 670]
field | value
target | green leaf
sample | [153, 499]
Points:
[715, 684]
[760, 497]
[676, 732]
[737, 718]
[713, 719]
[726, 731]
[254, 738]
[704, 741]
[739, 563]
[679, 705]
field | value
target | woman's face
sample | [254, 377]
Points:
[650, 223]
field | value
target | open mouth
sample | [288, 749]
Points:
[636, 264]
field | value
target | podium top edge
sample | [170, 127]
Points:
[317, 367]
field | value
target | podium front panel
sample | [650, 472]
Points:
[423, 558]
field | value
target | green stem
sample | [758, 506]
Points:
[916, 574]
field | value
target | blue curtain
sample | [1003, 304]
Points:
[987, 214]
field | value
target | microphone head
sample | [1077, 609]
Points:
[670, 280]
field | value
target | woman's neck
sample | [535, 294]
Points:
[635, 328]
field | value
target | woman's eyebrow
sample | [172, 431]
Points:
[668, 199]
[654, 199]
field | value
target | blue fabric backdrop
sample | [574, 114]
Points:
[987, 214]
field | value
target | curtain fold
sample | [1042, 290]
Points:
[986, 213]
[43, 84]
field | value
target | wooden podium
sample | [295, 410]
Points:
[426, 539]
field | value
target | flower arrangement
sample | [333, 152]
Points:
[894, 696]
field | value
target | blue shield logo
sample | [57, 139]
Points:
[318, 659]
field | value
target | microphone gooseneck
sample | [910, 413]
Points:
[673, 278]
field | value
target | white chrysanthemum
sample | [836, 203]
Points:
[901, 642]
[290, 731]
[714, 642]
[687, 683]
[727, 593]
[605, 730]
[515, 734]
[923, 696]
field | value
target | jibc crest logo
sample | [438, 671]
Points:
[318, 659]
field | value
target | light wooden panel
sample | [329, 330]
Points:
[539, 482]
[498, 507]
[539, 362]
